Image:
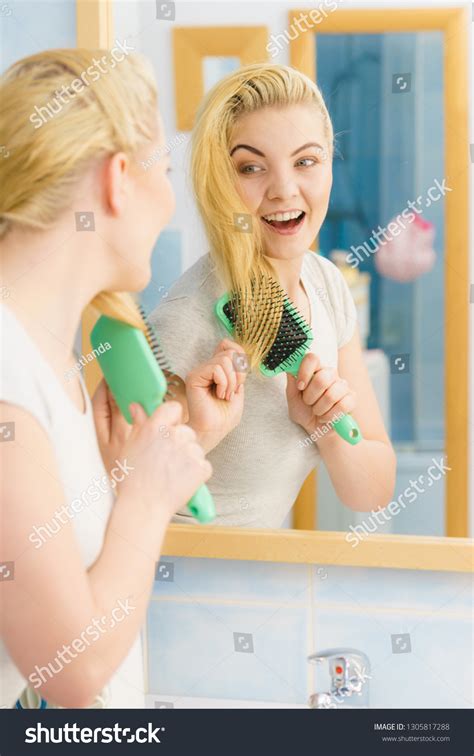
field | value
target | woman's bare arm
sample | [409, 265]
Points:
[363, 475]
[53, 600]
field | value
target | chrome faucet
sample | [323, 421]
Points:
[349, 670]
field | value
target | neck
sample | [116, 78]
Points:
[289, 273]
[49, 283]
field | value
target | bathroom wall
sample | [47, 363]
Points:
[29, 26]
[236, 633]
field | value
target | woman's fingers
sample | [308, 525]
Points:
[323, 390]
[119, 427]
[100, 394]
[221, 371]
[318, 384]
[167, 414]
[100, 402]
[101, 410]
[160, 422]
[225, 362]
[240, 365]
[237, 355]
[343, 407]
[331, 396]
[138, 416]
[219, 378]
[226, 344]
[309, 365]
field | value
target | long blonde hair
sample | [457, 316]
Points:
[239, 256]
[42, 164]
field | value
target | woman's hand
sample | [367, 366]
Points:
[167, 465]
[318, 395]
[111, 428]
[215, 393]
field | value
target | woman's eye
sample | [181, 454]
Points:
[309, 162]
[249, 168]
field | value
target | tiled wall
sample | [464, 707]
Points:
[240, 632]
[230, 630]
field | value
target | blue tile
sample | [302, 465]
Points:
[235, 579]
[415, 589]
[434, 674]
[192, 651]
[444, 646]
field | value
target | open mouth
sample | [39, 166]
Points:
[285, 222]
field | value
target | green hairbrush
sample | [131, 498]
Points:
[287, 348]
[132, 371]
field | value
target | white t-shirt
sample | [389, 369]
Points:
[29, 382]
[260, 466]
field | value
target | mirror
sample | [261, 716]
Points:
[214, 68]
[396, 222]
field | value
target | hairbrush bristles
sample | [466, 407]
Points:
[291, 342]
[256, 312]
[266, 317]
[158, 353]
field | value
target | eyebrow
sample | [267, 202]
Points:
[258, 152]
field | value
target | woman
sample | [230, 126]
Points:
[85, 497]
[262, 173]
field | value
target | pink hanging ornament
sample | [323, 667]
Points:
[410, 254]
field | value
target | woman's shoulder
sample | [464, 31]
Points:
[324, 274]
[197, 282]
[193, 294]
[334, 292]
[184, 320]
[24, 380]
[321, 267]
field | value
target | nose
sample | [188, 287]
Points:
[282, 186]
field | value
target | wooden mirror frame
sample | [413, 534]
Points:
[95, 29]
[191, 44]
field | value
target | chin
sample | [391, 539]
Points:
[138, 278]
[287, 249]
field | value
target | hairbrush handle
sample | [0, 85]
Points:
[202, 506]
[346, 427]
[133, 375]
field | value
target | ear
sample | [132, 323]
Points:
[116, 182]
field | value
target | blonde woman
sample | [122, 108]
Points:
[85, 498]
[262, 172]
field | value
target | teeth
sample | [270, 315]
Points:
[283, 216]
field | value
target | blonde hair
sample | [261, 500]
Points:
[239, 256]
[117, 112]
